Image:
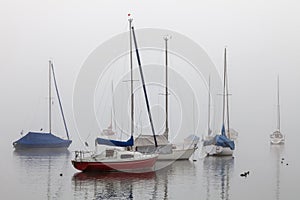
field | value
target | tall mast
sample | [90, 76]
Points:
[224, 91]
[112, 107]
[167, 93]
[131, 77]
[208, 120]
[144, 86]
[278, 105]
[227, 94]
[49, 97]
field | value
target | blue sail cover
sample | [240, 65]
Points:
[41, 140]
[222, 140]
[223, 130]
[115, 142]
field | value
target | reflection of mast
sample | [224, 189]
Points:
[208, 185]
[49, 179]
[277, 178]
[218, 168]
[166, 187]
[119, 185]
[225, 182]
[277, 150]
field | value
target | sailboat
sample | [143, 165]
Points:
[43, 140]
[221, 144]
[109, 130]
[209, 135]
[116, 159]
[166, 150]
[277, 137]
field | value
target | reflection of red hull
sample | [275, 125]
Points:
[113, 176]
[115, 166]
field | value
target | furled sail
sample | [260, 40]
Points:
[115, 142]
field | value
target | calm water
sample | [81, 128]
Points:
[31, 175]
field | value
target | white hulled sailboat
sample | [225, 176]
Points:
[277, 137]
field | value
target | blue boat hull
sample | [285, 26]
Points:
[41, 141]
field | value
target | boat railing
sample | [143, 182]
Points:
[81, 154]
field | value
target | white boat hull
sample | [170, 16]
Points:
[114, 160]
[177, 154]
[277, 138]
[214, 150]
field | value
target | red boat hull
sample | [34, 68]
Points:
[115, 166]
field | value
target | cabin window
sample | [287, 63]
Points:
[109, 153]
[124, 156]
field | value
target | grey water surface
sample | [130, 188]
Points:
[273, 175]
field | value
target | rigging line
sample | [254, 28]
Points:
[59, 101]
[144, 86]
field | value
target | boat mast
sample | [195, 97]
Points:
[227, 94]
[167, 93]
[131, 77]
[144, 86]
[208, 115]
[224, 88]
[49, 97]
[278, 106]
[59, 101]
[112, 116]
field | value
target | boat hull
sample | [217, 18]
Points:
[214, 150]
[64, 145]
[134, 165]
[277, 138]
[277, 141]
[40, 140]
[177, 154]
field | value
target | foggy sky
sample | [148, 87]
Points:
[262, 40]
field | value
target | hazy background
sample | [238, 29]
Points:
[262, 39]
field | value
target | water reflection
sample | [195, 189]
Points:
[277, 153]
[172, 175]
[120, 185]
[216, 176]
[41, 171]
[113, 185]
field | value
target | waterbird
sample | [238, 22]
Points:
[245, 174]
